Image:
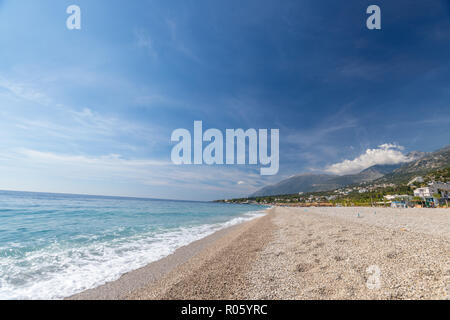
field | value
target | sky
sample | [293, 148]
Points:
[91, 111]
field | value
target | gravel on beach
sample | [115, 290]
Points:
[334, 253]
[308, 253]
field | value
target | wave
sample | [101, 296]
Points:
[62, 269]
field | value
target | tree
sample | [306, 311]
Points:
[419, 199]
[437, 196]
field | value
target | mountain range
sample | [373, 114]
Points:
[421, 163]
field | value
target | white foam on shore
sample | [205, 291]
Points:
[61, 271]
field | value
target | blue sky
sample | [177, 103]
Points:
[92, 110]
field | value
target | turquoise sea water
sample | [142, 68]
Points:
[53, 246]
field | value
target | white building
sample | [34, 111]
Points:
[391, 197]
[425, 192]
[433, 188]
[442, 188]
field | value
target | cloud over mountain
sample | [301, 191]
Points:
[385, 154]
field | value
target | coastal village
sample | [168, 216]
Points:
[419, 192]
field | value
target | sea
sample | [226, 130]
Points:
[55, 245]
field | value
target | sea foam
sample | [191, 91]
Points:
[52, 264]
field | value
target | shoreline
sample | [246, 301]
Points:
[303, 254]
[152, 272]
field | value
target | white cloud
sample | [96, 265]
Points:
[178, 43]
[143, 40]
[313, 137]
[23, 91]
[385, 154]
[50, 119]
[111, 161]
[47, 171]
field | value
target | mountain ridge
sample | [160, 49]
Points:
[310, 182]
[421, 163]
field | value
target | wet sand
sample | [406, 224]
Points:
[151, 273]
[297, 253]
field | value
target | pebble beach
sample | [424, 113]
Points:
[305, 253]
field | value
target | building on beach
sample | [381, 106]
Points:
[433, 193]
[399, 204]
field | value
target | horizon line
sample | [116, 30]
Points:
[102, 196]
